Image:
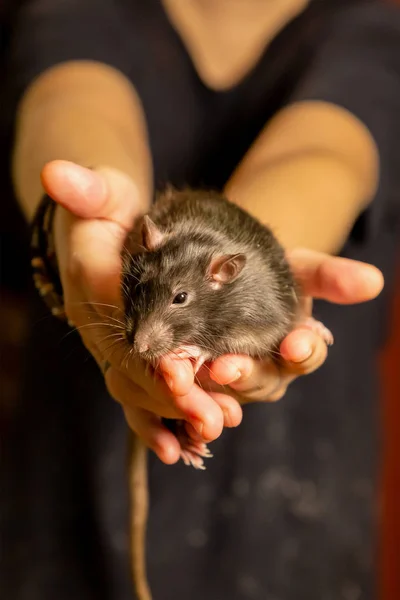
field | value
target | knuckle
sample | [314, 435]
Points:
[270, 390]
[179, 404]
[278, 395]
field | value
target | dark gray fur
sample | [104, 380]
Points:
[251, 315]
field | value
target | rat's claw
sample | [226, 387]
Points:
[190, 458]
[318, 328]
[192, 451]
[197, 462]
[185, 458]
[201, 451]
[198, 364]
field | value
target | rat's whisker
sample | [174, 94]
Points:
[114, 306]
[198, 382]
[117, 335]
[223, 385]
[113, 351]
[98, 324]
[131, 356]
[77, 329]
[116, 343]
[124, 360]
[113, 319]
[105, 316]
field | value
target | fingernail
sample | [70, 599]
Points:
[227, 418]
[85, 179]
[237, 376]
[302, 351]
[198, 425]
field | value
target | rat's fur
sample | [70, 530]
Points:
[250, 315]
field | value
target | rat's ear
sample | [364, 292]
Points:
[225, 269]
[152, 237]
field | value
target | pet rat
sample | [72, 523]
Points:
[203, 279]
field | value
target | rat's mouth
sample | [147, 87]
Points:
[196, 355]
[152, 356]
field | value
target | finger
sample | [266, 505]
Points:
[226, 369]
[202, 412]
[303, 352]
[89, 258]
[178, 374]
[230, 407]
[132, 396]
[95, 261]
[154, 434]
[335, 279]
[223, 395]
[103, 193]
[197, 406]
[258, 379]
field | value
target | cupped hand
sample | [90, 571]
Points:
[335, 279]
[96, 210]
[241, 378]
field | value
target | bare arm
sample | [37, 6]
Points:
[309, 175]
[85, 112]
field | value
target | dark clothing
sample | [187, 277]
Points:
[286, 509]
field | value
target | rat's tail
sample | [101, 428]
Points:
[139, 494]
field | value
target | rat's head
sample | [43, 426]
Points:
[174, 291]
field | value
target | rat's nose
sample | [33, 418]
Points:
[143, 347]
[142, 343]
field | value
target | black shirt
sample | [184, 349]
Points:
[285, 509]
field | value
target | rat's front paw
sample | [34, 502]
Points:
[319, 328]
[192, 451]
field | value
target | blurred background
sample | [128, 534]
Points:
[15, 279]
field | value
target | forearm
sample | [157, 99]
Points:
[86, 113]
[309, 186]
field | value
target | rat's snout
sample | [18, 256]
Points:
[152, 339]
[142, 344]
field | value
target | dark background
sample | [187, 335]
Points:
[14, 285]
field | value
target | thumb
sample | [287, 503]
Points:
[103, 193]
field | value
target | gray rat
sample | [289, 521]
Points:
[211, 278]
[202, 278]
[208, 279]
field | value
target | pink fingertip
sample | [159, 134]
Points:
[228, 369]
[167, 448]
[297, 346]
[178, 375]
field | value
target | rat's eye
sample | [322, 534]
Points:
[180, 298]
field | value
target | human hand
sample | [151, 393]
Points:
[335, 279]
[241, 378]
[101, 207]
[96, 210]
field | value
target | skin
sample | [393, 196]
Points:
[89, 114]
[144, 399]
